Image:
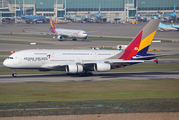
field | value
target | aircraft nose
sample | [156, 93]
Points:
[6, 63]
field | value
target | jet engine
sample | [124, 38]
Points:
[74, 69]
[102, 67]
[59, 37]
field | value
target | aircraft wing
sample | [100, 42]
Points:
[47, 33]
[93, 31]
[113, 62]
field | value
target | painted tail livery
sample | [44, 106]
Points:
[52, 26]
[139, 46]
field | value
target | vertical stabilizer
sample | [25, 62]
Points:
[52, 26]
[174, 12]
[22, 14]
[99, 12]
[141, 43]
[148, 34]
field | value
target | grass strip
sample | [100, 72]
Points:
[79, 91]
[29, 35]
[4, 53]
[89, 38]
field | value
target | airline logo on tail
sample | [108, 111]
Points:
[52, 26]
[132, 49]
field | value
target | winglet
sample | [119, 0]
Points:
[156, 61]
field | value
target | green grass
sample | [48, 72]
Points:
[171, 56]
[29, 35]
[7, 71]
[4, 53]
[109, 39]
[78, 91]
[149, 67]
[20, 42]
[137, 67]
[89, 38]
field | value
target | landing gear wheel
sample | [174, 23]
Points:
[14, 74]
[86, 74]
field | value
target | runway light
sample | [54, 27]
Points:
[157, 41]
[33, 43]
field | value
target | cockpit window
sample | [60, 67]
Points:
[10, 58]
[84, 32]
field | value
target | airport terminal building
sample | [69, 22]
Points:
[82, 8]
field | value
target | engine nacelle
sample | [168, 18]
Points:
[102, 67]
[74, 69]
[59, 37]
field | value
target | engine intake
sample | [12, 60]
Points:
[102, 67]
[74, 69]
[59, 37]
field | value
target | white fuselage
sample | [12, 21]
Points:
[40, 58]
[166, 28]
[71, 33]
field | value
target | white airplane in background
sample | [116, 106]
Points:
[66, 33]
[85, 61]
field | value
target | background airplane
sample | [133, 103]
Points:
[96, 17]
[163, 27]
[85, 61]
[168, 17]
[66, 33]
[33, 18]
[172, 14]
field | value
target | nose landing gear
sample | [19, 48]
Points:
[14, 73]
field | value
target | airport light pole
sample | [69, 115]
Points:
[2, 4]
[56, 10]
[65, 10]
[23, 8]
[15, 11]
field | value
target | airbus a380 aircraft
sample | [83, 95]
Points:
[66, 33]
[84, 61]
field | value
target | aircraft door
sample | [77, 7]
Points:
[15, 61]
[19, 60]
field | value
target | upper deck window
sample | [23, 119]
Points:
[10, 58]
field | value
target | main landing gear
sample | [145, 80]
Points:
[81, 74]
[74, 39]
[14, 73]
